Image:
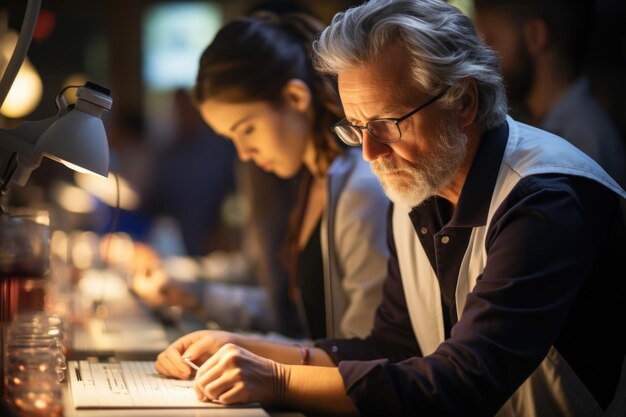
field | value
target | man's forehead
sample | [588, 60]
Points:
[389, 68]
[375, 90]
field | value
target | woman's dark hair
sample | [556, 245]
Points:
[252, 58]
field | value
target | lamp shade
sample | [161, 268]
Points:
[77, 140]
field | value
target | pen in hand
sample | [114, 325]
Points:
[190, 363]
[194, 366]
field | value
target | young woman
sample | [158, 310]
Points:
[256, 86]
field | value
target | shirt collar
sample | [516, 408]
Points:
[473, 205]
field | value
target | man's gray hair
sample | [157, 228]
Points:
[443, 44]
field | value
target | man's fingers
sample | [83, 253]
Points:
[208, 372]
[214, 384]
[234, 395]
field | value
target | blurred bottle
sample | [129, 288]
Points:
[24, 265]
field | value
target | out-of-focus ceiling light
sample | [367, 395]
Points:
[27, 88]
[74, 136]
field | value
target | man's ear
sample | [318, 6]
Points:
[297, 95]
[469, 103]
[536, 35]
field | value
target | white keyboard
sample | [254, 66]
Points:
[128, 384]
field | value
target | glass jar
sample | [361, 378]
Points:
[24, 266]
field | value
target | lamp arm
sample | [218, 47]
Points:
[21, 141]
[24, 137]
[19, 53]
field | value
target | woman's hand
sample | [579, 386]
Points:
[148, 276]
[197, 346]
[234, 375]
[150, 282]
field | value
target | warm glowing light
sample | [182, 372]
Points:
[102, 284]
[117, 248]
[59, 245]
[39, 403]
[72, 166]
[27, 88]
[38, 216]
[105, 190]
[73, 199]
[182, 268]
[73, 79]
[84, 249]
[42, 217]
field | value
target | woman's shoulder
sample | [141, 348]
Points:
[350, 164]
[357, 183]
[361, 175]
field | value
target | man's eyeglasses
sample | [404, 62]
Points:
[383, 130]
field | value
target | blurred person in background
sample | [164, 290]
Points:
[270, 199]
[189, 181]
[183, 196]
[543, 46]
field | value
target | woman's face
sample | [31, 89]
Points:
[276, 139]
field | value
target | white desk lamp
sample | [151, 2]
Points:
[74, 137]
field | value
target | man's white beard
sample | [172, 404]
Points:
[415, 182]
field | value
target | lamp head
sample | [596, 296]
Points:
[74, 137]
[77, 139]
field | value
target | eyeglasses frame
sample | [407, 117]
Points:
[396, 121]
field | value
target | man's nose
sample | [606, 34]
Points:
[373, 149]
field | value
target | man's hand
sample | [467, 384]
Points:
[234, 375]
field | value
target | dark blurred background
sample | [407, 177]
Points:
[146, 53]
[147, 50]
[120, 44]
[117, 43]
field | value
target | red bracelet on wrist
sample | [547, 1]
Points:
[305, 354]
